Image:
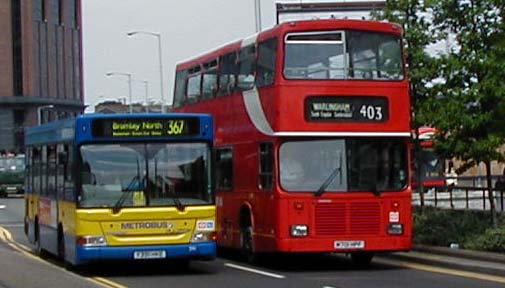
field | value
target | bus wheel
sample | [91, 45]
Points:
[26, 226]
[248, 245]
[38, 245]
[61, 245]
[362, 258]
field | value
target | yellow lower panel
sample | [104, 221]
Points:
[145, 226]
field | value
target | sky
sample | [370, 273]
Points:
[188, 28]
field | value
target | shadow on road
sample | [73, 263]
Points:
[304, 262]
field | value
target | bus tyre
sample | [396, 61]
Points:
[38, 246]
[362, 258]
[25, 226]
[248, 245]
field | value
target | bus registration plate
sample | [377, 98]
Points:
[150, 254]
[359, 244]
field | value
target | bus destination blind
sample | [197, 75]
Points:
[145, 127]
[346, 109]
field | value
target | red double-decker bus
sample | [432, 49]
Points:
[432, 166]
[312, 131]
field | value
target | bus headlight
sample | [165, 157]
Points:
[299, 230]
[395, 228]
[204, 236]
[92, 240]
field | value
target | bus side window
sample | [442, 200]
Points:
[266, 157]
[194, 88]
[69, 170]
[51, 171]
[228, 70]
[60, 170]
[209, 80]
[36, 168]
[29, 170]
[267, 54]
[180, 88]
[43, 172]
[224, 168]
[247, 68]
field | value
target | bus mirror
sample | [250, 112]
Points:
[62, 158]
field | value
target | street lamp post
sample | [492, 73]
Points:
[39, 112]
[157, 35]
[129, 86]
[147, 94]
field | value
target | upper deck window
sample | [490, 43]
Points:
[342, 55]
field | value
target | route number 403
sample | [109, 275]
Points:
[371, 112]
[175, 127]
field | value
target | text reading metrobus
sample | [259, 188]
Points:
[312, 137]
[123, 186]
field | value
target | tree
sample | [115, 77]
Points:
[467, 103]
[415, 20]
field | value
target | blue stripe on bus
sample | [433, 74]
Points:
[203, 251]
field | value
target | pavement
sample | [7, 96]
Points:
[461, 259]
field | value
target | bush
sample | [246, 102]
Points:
[470, 229]
[492, 240]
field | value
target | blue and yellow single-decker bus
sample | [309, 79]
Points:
[121, 187]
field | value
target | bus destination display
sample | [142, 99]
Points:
[146, 127]
[346, 109]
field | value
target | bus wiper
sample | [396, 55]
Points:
[330, 179]
[132, 186]
[177, 202]
[172, 195]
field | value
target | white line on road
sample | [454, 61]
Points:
[2, 206]
[254, 271]
[12, 225]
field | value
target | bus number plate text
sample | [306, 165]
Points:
[151, 254]
[349, 244]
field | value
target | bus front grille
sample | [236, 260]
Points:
[358, 218]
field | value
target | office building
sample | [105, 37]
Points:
[41, 65]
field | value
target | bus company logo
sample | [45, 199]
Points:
[205, 225]
[147, 225]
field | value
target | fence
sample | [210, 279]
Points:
[466, 196]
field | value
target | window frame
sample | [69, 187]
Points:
[219, 168]
[266, 166]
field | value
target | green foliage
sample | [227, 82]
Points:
[460, 92]
[492, 240]
[466, 104]
[470, 229]
[413, 17]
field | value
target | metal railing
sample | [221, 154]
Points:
[463, 197]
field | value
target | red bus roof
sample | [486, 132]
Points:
[293, 26]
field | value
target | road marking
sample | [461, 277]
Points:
[6, 236]
[12, 225]
[108, 283]
[442, 270]
[264, 273]
[2, 206]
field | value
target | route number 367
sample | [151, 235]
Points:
[371, 112]
[175, 127]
